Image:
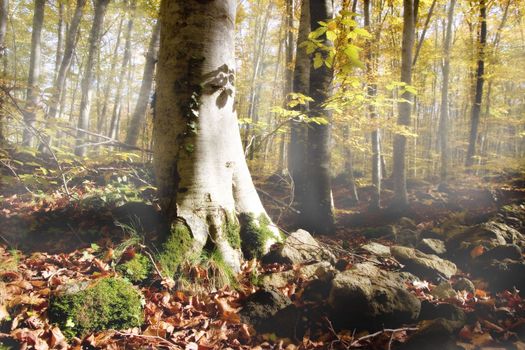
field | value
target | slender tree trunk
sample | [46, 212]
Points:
[102, 122]
[60, 35]
[34, 72]
[317, 214]
[425, 28]
[3, 28]
[298, 129]
[405, 107]
[371, 65]
[65, 64]
[87, 80]
[203, 179]
[476, 107]
[117, 106]
[138, 117]
[443, 120]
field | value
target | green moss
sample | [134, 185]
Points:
[254, 235]
[109, 303]
[137, 269]
[232, 230]
[176, 249]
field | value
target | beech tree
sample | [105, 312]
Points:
[204, 185]
[3, 27]
[34, 72]
[87, 79]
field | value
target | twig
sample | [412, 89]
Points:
[286, 205]
[357, 341]
[166, 342]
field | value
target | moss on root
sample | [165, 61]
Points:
[255, 232]
[232, 231]
[109, 303]
[136, 270]
[176, 249]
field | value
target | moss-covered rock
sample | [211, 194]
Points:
[137, 269]
[107, 303]
[176, 248]
[254, 234]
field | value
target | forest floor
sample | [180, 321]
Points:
[444, 274]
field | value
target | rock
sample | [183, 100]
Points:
[322, 270]
[503, 274]
[464, 284]
[141, 216]
[298, 248]
[432, 246]
[366, 296]
[317, 290]
[376, 249]
[378, 232]
[260, 307]
[423, 265]
[289, 322]
[446, 311]
[407, 237]
[443, 291]
[437, 334]
[502, 252]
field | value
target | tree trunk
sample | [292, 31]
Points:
[298, 129]
[3, 27]
[205, 188]
[317, 214]
[137, 120]
[87, 80]
[371, 65]
[102, 122]
[443, 118]
[117, 106]
[404, 107]
[65, 64]
[478, 95]
[60, 36]
[34, 72]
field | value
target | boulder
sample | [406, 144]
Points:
[502, 252]
[436, 334]
[423, 265]
[464, 284]
[432, 246]
[407, 237]
[450, 312]
[443, 291]
[366, 296]
[298, 248]
[503, 274]
[261, 307]
[376, 249]
[321, 270]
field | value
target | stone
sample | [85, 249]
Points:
[407, 237]
[443, 291]
[502, 252]
[464, 284]
[432, 246]
[366, 296]
[423, 265]
[260, 307]
[298, 248]
[376, 249]
[436, 334]
[450, 312]
[503, 275]
[321, 270]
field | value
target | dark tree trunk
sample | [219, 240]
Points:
[317, 214]
[138, 118]
[478, 95]
[34, 72]
[405, 107]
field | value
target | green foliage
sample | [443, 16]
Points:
[108, 303]
[255, 232]
[231, 229]
[136, 270]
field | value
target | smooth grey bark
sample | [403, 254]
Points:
[298, 129]
[204, 184]
[138, 117]
[371, 65]
[102, 121]
[67, 59]
[443, 118]
[32, 97]
[117, 106]
[480, 79]
[404, 107]
[3, 28]
[317, 214]
[60, 36]
[87, 79]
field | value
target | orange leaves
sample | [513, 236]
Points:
[477, 251]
